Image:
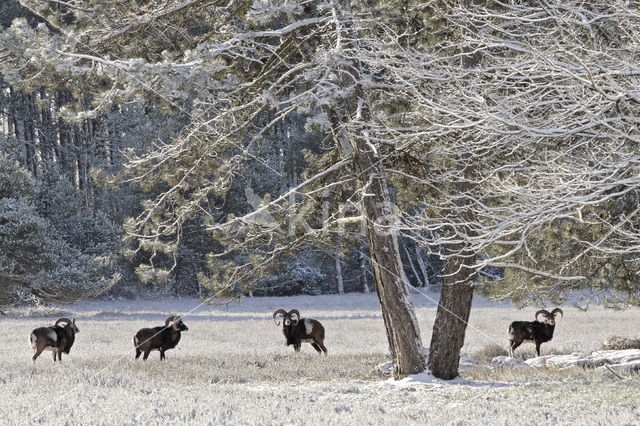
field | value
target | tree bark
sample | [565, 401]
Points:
[339, 279]
[452, 318]
[454, 307]
[401, 324]
[363, 271]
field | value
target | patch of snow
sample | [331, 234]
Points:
[384, 369]
[507, 361]
[426, 378]
[467, 363]
[626, 360]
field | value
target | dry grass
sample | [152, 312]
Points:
[232, 367]
[621, 343]
[486, 354]
[485, 373]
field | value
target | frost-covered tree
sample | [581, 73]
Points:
[33, 257]
[253, 58]
[523, 151]
[68, 157]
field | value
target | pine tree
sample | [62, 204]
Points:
[33, 257]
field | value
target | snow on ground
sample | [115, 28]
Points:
[232, 367]
[623, 360]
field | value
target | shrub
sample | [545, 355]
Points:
[619, 343]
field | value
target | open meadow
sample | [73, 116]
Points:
[232, 367]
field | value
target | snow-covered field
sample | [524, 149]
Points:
[232, 367]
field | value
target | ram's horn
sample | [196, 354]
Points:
[296, 313]
[67, 320]
[544, 312]
[278, 312]
[557, 311]
[171, 318]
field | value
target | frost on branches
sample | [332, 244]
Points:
[502, 138]
[34, 259]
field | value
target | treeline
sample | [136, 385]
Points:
[58, 211]
[62, 211]
[68, 188]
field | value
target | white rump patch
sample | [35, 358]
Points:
[32, 340]
[308, 326]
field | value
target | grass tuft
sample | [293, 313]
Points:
[489, 352]
[621, 343]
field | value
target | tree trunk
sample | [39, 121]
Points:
[397, 309]
[413, 268]
[363, 271]
[68, 164]
[423, 268]
[45, 130]
[401, 324]
[457, 291]
[452, 317]
[339, 280]
[17, 111]
[20, 133]
[29, 111]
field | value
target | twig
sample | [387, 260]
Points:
[614, 372]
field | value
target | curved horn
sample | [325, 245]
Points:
[542, 311]
[296, 313]
[557, 311]
[67, 320]
[169, 319]
[278, 312]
